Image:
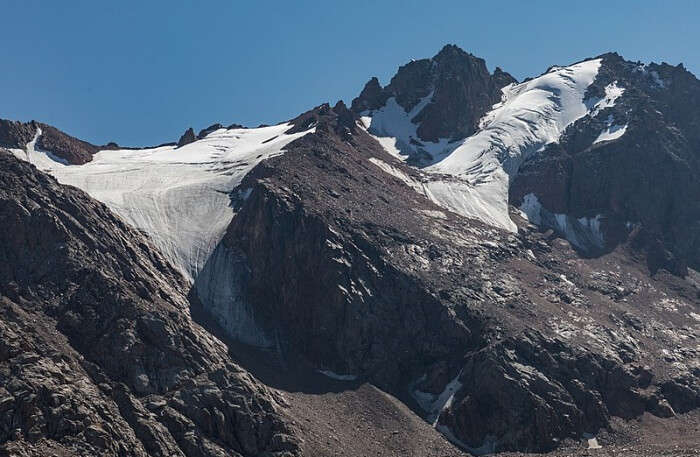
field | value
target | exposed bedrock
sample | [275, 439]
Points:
[408, 296]
[642, 178]
[98, 353]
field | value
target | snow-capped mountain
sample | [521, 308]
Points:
[478, 168]
[181, 196]
[486, 251]
[585, 109]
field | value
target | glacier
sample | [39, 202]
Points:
[182, 198]
[179, 196]
[471, 177]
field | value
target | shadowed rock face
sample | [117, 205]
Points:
[187, 137]
[643, 178]
[462, 91]
[75, 151]
[352, 267]
[98, 353]
[338, 259]
[16, 135]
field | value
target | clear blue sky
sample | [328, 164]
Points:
[140, 72]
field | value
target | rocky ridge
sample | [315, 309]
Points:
[639, 177]
[98, 353]
[335, 243]
[503, 341]
[459, 85]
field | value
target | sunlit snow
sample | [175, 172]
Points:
[180, 196]
[612, 93]
[471, 177]
[583, 232]
[613, 132]
[435, 404]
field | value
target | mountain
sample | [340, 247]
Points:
[98, 353]
[589, 150]
[514, 263]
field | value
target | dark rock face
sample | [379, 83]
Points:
[204, 132]
[73, 150]
[506, 341]
[372, 97]
[187, 138]
[362, 275]
[17, 134]
[462, 92]
[321, 251]
[645, 176]
[98, 354]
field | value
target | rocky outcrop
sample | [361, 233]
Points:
[640, 178]
[187, 138]
[16, 135]
[204, 132]
[460, 87]
[73, 150]
[98, 353]
[372, 97]
[351, 266]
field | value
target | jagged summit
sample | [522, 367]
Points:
[454, 89]
[187, 137]
[16, 135]
[485, 251]
[501, 144]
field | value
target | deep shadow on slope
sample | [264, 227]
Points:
[98, 353]
[642, 184]
[364, 276]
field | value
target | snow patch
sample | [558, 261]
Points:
[531, 115]
[611, 133]
[180, 196]
[397, 173]
[612, 93]
[338, 377]
[653, 74]
[394, 129]
[487, 447]
[583, 232]
[531, 208]
[433, 404]
[593, 443]
[43, 160]
[657, 79]
[486, 200]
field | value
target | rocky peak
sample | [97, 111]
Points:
[204, 132]
[590, 175]
[371, 97]
[503, 78]
[16, 135]
[187, 137]
[338, 119]
[460, 86]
